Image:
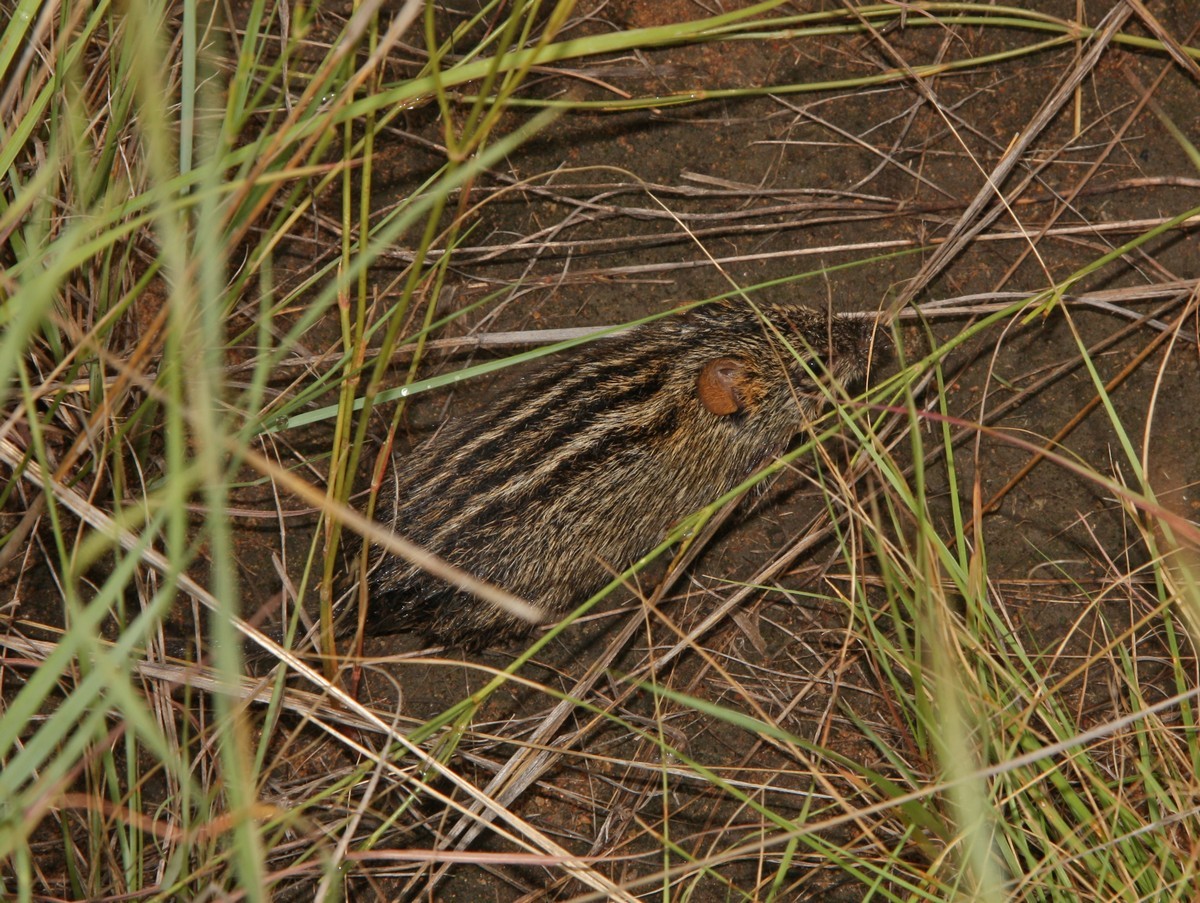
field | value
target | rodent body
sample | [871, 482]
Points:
[589, 464]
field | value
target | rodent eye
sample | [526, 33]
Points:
[810, 367]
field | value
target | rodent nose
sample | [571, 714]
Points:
[882, 339]
[878, 340]
[873, 346]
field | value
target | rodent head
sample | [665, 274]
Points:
[762, 364]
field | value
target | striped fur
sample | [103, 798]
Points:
[590, 463]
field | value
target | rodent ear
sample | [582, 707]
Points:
[718, 386]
